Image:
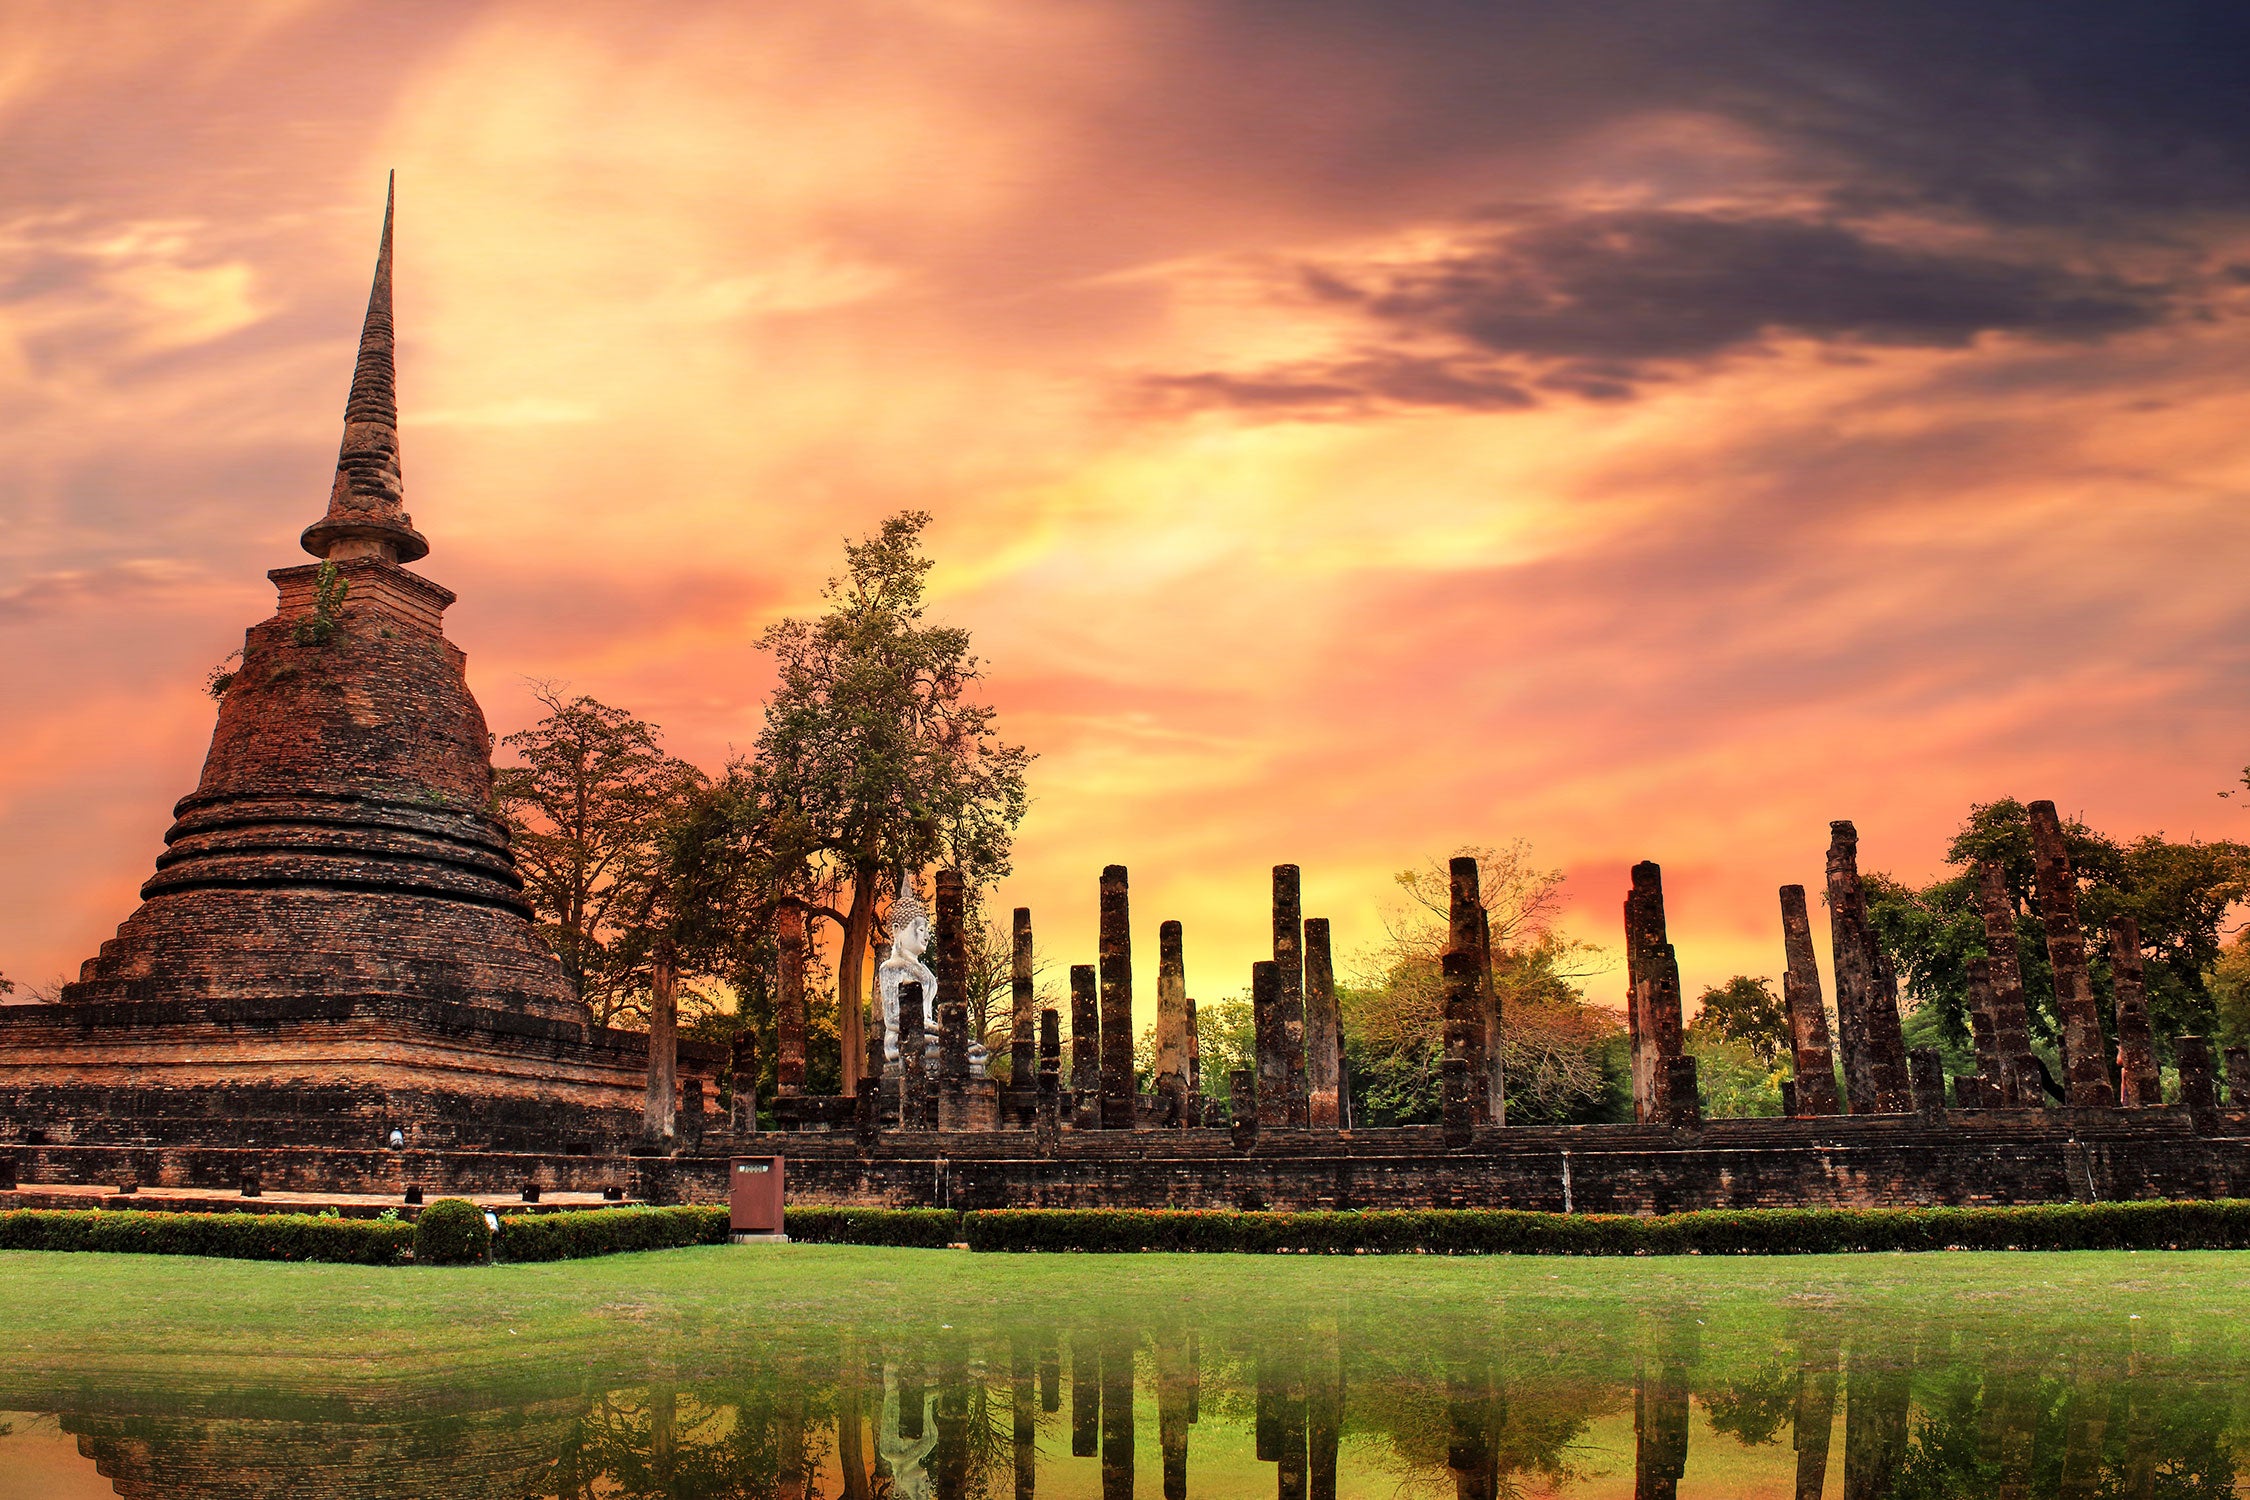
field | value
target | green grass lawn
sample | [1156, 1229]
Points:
[263, 1320]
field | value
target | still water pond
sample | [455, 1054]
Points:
[909, 1374]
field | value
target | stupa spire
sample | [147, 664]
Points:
[365, 517]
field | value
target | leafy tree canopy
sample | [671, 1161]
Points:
[2179, 892]
[1558, 1052]
[1747, 1012]
[589, 801]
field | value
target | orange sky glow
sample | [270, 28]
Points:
[1349, 437]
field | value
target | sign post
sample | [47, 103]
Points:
[754, 1201]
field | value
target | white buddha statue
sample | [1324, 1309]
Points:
[910, 938]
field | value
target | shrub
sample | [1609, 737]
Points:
[452, 1232]
[2155, 1225]
[606, 1231]
[240, 1236]
[928, 1228]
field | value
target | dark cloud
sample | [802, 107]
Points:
[1667, 285]
[2085, 113]
[1345, 388]
[1595, 305]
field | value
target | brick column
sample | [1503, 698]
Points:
[1085, 1050]
[1048, 1122]
[2199, 1090]
[1683, 1097]
[1984, 1032]
[1814, 1063]
[867, 1099]
[1194, 1066]
[742, 1082]
[2086, 1082]
[1875, 1080]
[1117, 1001]
[2011, 1025]
[1085, 1394]
[1456, 1111]
[1465, 933]
[1653, 993]
[2238, 1077]
[950, 962]
[1926, 1068]
[913, 1064]
[1289, 965]
[953, 1066]
[1242, 1107]
[1323, 1034]
[1171, 1026]
[1272, 1043]
[1023, 1019]
[1488, 1002]
[2137, 1085]
[949, 956]
[1635, 939]
[789, 1000]
[660, 1108]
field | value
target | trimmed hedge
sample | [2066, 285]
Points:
[2158, 1225]
[239, 1236]
[452, 1232]
[2223, 1225]
[928, 1228]
[606, 1231]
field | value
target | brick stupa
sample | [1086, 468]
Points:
[335, 943]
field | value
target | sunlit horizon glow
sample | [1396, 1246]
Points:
[1352, 433]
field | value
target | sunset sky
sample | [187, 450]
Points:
[1354, 429]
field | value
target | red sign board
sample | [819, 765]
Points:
[754, 1195]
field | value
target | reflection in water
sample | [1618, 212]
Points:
[1624, 1404]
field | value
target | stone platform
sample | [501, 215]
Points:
[1963, 1157]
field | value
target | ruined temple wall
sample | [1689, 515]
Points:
[1986, 1157]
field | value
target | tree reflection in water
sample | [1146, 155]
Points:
[1500, 1407]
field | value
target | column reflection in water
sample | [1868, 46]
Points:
[1023, 1417]
[851, 1421]
[1813, 1415]
[1290, 1472]
[1172, 1387]
[1324, 1408]
[1085, 1394]
[1660, 1405]
[1876, 1396]
[1117, 1413]
[1473, 1444]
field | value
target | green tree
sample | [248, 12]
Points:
[1739, 1040]
[1747, 1012]
[2179, 892]
[587, 803]
[1555, 1048]
[1226, 1038]
[2230, 992]
[876, 756]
